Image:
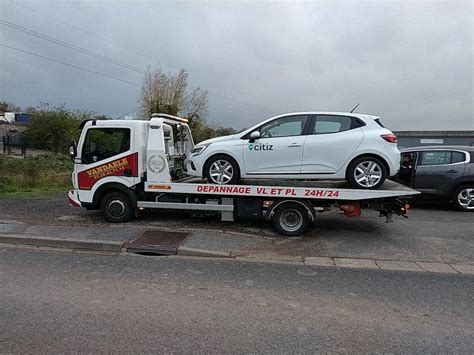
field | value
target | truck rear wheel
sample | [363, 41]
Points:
[116, 207]
[291, 219]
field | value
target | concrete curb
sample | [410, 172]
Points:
[391, 265]
[246, 256]
[63, 243]
[187, 251]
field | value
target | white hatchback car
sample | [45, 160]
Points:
[305, 145]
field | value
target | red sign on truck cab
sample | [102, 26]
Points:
[87, 178]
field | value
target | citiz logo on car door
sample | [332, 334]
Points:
[261, 146]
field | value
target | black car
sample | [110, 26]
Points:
[441, 173]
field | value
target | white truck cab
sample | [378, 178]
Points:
[124, 153]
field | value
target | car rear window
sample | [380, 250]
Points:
[379, 122]
[442, 157]
[331, 124]
[458, 157]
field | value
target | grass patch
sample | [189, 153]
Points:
[34, 176]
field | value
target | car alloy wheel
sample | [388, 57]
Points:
[368, 173]
[221, 172]
[466, 198]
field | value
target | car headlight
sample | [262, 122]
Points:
[197, 150]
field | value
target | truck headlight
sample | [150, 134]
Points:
[197, 150]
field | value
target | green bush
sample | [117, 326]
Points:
[39, 173]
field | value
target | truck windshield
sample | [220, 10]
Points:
[103, 143]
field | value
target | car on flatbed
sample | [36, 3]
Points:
[440, 173]
[304, 146]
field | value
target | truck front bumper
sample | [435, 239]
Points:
[74, 199]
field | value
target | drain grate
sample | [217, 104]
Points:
[156, 242]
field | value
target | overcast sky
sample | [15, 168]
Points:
[410, 62]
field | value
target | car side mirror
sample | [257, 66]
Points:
[254, 136]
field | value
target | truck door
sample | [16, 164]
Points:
[436, 170]
[106, 154]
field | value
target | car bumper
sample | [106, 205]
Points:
[393, 161]
[194, 167]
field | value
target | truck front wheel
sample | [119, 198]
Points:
[291, 219]
[116, 207]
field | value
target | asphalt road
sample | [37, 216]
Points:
[64, 302]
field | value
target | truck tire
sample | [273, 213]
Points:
[291, 219]
[116, 207]
[463, 198]
[366, 172]
[222, 170]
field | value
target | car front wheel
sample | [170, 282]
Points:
[222, 170]
[463, 198]
[366, 173]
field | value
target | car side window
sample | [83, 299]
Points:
[435, 158]
[325, 124]
[103, 143]
[458, 157]
[284, 127]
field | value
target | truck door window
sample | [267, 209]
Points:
[103, 143]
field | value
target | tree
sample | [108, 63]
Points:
[53, 127]
[167, 93]
[9, 107]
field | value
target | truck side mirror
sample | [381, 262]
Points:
[254, 136]
[73, 153]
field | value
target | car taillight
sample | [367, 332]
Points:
[391, 138]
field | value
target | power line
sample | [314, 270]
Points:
[70, 65]
[125, 114]
[69, 46]
[77, 28]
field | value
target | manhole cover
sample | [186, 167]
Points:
[157, 242]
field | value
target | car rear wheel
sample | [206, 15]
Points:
[366, 173]
[463, 198]
[222, 170]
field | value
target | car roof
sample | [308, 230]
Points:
[438, 147]
[351, 114]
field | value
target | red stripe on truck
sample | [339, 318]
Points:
[87, 178]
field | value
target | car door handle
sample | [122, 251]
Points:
[452, 171]
[294, 145]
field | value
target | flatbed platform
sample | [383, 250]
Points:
[330, 190]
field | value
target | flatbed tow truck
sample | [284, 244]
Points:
[124, 167]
